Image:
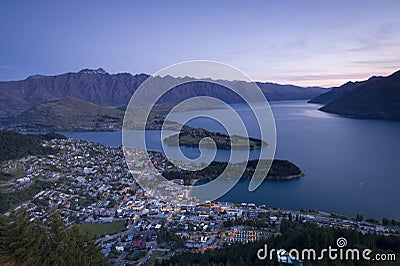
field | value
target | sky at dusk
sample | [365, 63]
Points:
[323, 43]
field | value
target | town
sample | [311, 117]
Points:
[90, 185]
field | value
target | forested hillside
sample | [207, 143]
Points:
[14, 145]
[33, 243]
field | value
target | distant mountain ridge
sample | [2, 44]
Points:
[101, 88]
[379, 98]
[338, 92]
[96, 86]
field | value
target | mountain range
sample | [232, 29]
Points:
[378, 97]
[338, 92]
[101, 88]
[95, 86]
[96, 100]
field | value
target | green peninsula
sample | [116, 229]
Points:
[279, 170]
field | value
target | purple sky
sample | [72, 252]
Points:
[300, 42]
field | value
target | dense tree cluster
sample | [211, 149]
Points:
[192, 137]
[294, 235]
[5, 176]
[23, 242]
[280, 169]
[14, 145]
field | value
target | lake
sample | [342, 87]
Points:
[351, 165]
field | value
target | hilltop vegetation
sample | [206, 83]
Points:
[14, 145]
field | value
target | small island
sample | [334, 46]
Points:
[192, 138]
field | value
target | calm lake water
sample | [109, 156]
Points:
[351, 165]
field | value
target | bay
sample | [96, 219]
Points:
[351, 165]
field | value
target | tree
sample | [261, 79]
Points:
[293, 235]
[372, 220]
[35, 243]
[386, 222]
[359, 218]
